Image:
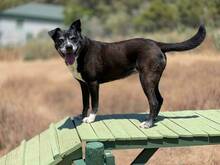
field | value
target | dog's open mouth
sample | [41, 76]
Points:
[69, 59]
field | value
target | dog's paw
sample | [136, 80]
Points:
[89, 119]
[146, 124]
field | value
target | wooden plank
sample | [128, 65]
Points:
[210, 114]
[32, 155]
[68, 138]
[85, 131]
[134, 132]
[46, 155]
[16, 156]
[175, 128]
[166, 132]
[68, 160]
[12, 157]
[3, 160]
[203, 125]
[116, 129]
[129, 127]
[102, 131]
[209, 122]
[160, 143]
[185, 121]
[21, 154]
[151, 133]
[54, 144]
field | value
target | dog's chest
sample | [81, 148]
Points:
[73, 69]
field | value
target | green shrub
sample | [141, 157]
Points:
[39, 49]
[118, 23]
[216, 39]
[156, 15]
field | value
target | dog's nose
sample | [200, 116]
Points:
[69, 47]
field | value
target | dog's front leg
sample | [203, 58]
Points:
[85, 99]
[94, 91]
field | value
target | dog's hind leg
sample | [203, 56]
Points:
[150, 67]
[148, 82]
[159, 98]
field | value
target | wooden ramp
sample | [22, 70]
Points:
[62, 142]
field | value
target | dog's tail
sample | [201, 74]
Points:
[191, 43]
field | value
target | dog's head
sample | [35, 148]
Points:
[68, 42]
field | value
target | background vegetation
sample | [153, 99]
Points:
[122, 17]
[43, 91]
[113, 20]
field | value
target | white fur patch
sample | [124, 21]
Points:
[73, 70]
[90, 118]
[144, 125]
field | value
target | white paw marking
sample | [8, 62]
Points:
[89, 119]
[144, 125]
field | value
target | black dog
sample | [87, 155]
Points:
[93, 62]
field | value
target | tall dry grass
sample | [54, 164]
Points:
[33, 94]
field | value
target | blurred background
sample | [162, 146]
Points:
[36, 88]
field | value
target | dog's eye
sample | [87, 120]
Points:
[60, 40]
[73, 38]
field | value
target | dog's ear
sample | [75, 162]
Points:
[77, 25]
[53, 33]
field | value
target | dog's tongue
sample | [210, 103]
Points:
[70, 58]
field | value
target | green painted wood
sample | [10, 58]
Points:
[22, 152]
[102, 132]
[116, 129]
[32, 156]
[61, 143]
[144, 156]
[3, 160]
[85, 131]
[200, 123]
[164, 131]
[54, 143]
[109, 157]
[185, 121]
[210, 122]
[17, 155]
[134, 132]
[46, 155]
[151, 133]
[158, 129]
[68, 159]
[94, 154]
[12, 157]
[79, 162]
[68, 138]
[175, 128]
[210, 114]
[160, 143]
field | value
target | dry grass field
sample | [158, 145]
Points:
[33, 94]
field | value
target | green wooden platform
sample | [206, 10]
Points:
[62, 142]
